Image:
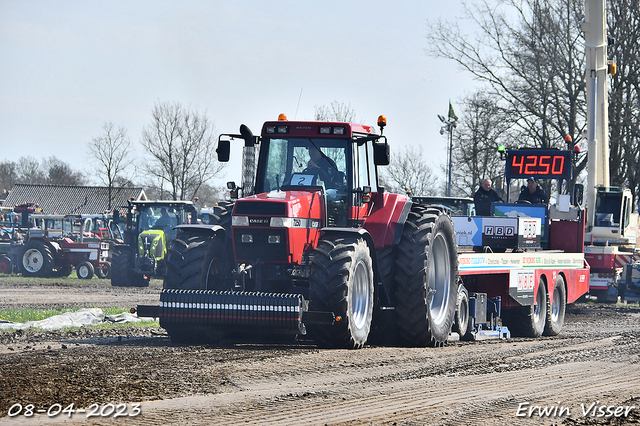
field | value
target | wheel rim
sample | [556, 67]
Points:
[555, 306]
[439, 278]
[32, 260]
[537, 307]
[359, 297]
[83, 271]
[463, 313]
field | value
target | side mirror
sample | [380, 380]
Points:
[578, 194]
[381, 153]
[223, 149]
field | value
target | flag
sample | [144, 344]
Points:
[452, 114]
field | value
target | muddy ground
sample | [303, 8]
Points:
[589, 374]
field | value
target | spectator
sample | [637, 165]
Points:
[483, 198]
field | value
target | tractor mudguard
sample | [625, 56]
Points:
[387, 217]
[213, 229]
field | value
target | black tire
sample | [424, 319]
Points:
[222, 215]
[122, 275]
[85, 270]
[463, 324]
[5, 265]
[104, 271]
[426, 277]
[341, 281]
[529, 321]
[384, 328]
[63, 271]
[198, 262]
[36, 260]
[556, 309]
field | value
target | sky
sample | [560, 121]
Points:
[67, 67]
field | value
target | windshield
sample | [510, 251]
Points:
[303, 162]
[161, 217]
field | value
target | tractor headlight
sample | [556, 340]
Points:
[240, 221]
[280, 222]
[274, 239]
[247, 238]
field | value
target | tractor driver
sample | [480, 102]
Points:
[321, 166]
[164, 221]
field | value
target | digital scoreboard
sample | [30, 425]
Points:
[538, 163]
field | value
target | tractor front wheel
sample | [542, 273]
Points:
[342, 283]
[426, 277]
[104, 271]
[85, 270]
[5, 265]
[122, 274]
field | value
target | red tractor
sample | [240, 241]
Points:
[313, 246]
[58, 243]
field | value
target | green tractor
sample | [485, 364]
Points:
[150, 226]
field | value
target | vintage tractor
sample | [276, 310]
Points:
[58, 243]
[149, 229]
[314, 246]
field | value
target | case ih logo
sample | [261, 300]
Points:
[259, 220]
[499, 231]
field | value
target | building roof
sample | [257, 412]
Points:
[72, 199]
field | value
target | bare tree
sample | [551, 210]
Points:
[112, 152]
[624, 95]
[60, 173]
[8, 174]
[180, 143]
[530, 55]
[30, 171]
[337, 111]
[409, 172]
[482, 128]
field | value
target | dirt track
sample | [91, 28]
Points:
[596, 359]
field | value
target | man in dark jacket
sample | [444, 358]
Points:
[533, 193]
[483, 198]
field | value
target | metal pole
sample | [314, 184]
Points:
[450, 152]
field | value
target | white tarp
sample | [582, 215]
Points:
[80, 318]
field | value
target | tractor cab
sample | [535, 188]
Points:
[336, 160]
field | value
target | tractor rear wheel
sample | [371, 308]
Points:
[5, 265]
[342, 283]
[37, 260]
[85, 270]
[556, 309]
[122, 275]
[426, 277]
[198, 262]
[529, 321]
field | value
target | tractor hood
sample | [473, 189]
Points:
[298, 204]
[277, 226]
[152, 243]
